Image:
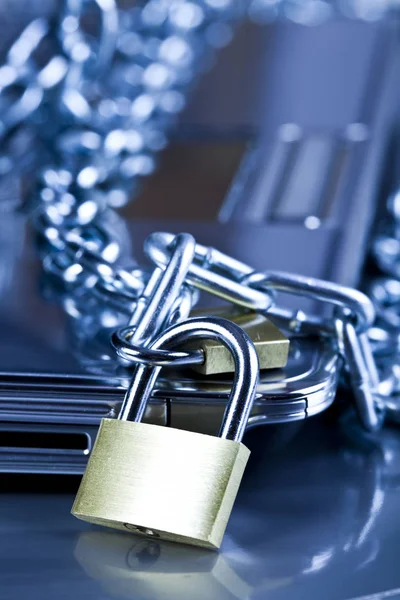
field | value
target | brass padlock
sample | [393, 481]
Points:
[169, 483]
[271, 345]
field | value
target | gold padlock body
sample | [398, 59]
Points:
[271, 345]
[162, 482]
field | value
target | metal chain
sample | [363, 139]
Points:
[384, 291]
[98, 101]
[353, 315]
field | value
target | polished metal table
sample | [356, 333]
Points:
[317, 517]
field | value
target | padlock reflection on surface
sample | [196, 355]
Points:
[169, 483]
[129, 567]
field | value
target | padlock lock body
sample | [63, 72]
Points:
[271, 345]
[163, 482]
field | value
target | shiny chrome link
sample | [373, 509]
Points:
[369, 361]
[94, 237]
[23, 73]
[183, 305]
[359, 305]
[122, 288]
[363, 375]
[99, 57]
[143, 300]
[245, 379]
[70, 272]
[212, 271]
[91, 256]
[353, 316]
[162, 291]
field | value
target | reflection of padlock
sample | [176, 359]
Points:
[129, 567]
[169, 483]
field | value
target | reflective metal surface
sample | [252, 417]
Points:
[317, 518]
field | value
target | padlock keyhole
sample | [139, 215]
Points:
[139, 529]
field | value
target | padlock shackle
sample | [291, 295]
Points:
[245, 381]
